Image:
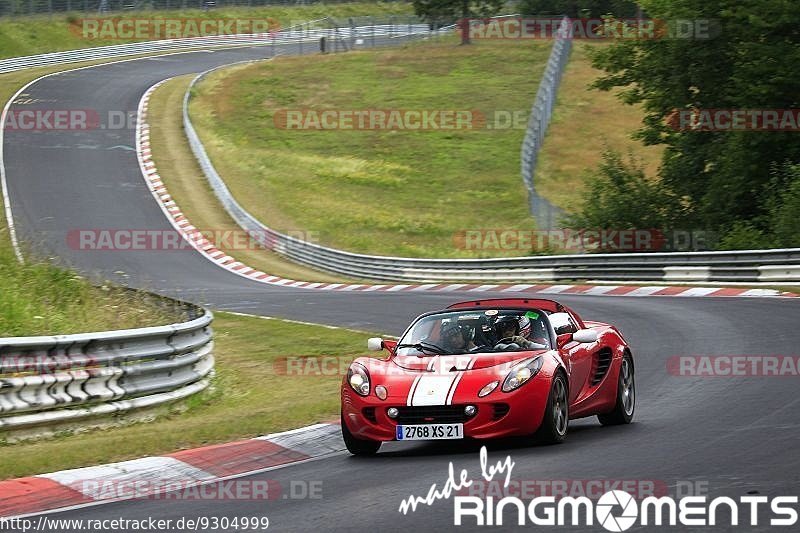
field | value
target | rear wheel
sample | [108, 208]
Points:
[556, 416]
[626, 396]
[358, 446]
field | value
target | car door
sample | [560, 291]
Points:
[577, 356]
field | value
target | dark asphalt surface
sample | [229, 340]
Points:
[737, 435]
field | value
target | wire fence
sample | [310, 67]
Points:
[546, 214]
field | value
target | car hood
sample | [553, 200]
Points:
[453, 363]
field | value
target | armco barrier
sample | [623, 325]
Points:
[310, 31]
[751, 266]
[61, 378]
[770, 266]
[735, 266]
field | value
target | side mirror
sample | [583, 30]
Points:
[563, 339]
[585, 336]
[375, 344]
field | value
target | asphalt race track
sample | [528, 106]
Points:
[738, 435]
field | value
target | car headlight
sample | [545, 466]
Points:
[488, 388]
[358, 378]
[522, 373]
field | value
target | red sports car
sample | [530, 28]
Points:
[485, 369]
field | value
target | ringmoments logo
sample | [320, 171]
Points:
[615, 510]
[605, 510]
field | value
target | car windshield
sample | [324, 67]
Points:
[484, 330]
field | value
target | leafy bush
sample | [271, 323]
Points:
[744, 236]
[620, 196]
[784, 220]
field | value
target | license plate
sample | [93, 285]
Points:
[430, 432]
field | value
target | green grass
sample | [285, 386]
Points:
[408, 193]
[189, 188]
[41, 299]
[29, 35]
[386, 192]
[585, 123]
[249, 398]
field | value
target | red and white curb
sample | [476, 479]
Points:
[151, 477]
[196, 239]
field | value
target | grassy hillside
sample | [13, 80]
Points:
[38, 298]
[38, 34]
[386, 191]
[406, 192]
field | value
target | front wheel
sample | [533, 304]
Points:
[556, 416]
[356, 446]
[626, 396]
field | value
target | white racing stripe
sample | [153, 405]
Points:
[453, 388]
[411, 391]
[440, 387]
[433, 390]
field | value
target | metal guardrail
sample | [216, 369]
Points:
[773, 266]
[545, 213]
[311, 31]
[735, 266]
[61, 378]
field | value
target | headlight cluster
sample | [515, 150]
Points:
[358, 378]
[522, 373]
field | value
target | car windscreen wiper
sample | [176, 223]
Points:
[423, 346]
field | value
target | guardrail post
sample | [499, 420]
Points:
[302, 35]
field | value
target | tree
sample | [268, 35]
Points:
[438, 11]
[746, 61]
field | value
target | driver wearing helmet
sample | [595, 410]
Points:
[455, 338]
[507, 334]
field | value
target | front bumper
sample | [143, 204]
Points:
[499, 414]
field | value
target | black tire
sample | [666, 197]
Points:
[626, 396]
[556, 415]
[356, 446]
